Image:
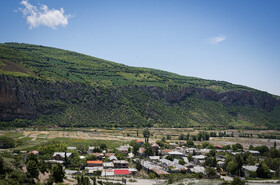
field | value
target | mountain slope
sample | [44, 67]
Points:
[43, 85]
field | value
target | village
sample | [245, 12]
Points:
[166, 161]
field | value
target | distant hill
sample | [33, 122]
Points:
[48, 86]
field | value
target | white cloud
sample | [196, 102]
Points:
[217, 39]
[43, 16]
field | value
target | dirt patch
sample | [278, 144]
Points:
[13, 67]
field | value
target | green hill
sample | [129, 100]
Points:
[48, 86]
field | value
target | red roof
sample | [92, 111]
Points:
[139, 141]
[218, 146]
[94, 162]
[121, 172]
[33, 152]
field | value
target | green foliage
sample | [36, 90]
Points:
[263, 171]
[57, 173]
[73, 89]
[7, 142]
[32, 168]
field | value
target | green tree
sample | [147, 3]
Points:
[32, 168]
[2, 168]
[237, 181]
[57, 173]
[146, 134]
[7, 142]
[263, 171]
[182, 162]
[231, 167]
[82, 180]
[210, 172]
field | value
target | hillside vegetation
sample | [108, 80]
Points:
[48, 86]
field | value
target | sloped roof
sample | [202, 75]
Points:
[121, 172]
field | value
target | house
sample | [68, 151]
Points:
[107, 173]
[166, 151]
[198, 169]
[123, 149]
[90, 149]
[121, 172]
[109, 154]
[175, 154]
[120, 164]
[154, 157]
[60, 156]
[191, 150]
[113, 158]
[140, 142]
[218, 146]
[108, 165]
[173, 145]
[34, 152]
[72, 172]
[220, 164]
[141, 151]
[198, 158]
[204, 151]
[94, 163]
[254, 153]
[98, 155]
[91, 170]
[155, 147]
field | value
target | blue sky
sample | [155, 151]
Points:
[234, 40]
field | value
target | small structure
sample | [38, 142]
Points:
[94, 163]
[90, 149]
[120, 164]
[60, 156]
[71, 148]
[72, 172]
[249, 168]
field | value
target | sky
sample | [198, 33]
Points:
[234, 40]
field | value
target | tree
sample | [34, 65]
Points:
[148, 149]
[168, 136]
[82, 180]
[2, 169]
[210, 172]
[190, 143]
[57, 173]
[237, 181]
[32, 168]
[7, 142]
[275, 145]
[138, 165]
[263, 171]
[182, 162]
[103, 146]
[146, 134]
[231, 167]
